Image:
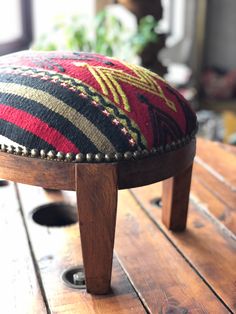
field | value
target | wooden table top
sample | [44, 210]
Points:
[155, 270]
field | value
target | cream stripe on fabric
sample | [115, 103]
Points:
[82, 123]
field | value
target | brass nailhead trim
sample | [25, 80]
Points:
[118, 156]
[128, 155]
[60, 156]
[69, 157]
[109, 157]
[18, 151]
[89, 157]
[79, 157]
[43, 153]
[98, 157]
[25, 152]
[34, 153]
[51, 155]
[137, 154]
[10, 149]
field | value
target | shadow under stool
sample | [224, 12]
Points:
[94, 125]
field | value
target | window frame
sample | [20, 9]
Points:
[26, 37]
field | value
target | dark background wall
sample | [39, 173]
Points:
[220, 40]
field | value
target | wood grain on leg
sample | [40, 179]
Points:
[97, 203]
[175, 198]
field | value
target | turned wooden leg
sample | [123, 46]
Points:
[97, 202]
[175, 199]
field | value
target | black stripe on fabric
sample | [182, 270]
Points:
[163, 122]
[53, 119]
[191, 120]
[80, 104]
[22, 137]
[102, 101]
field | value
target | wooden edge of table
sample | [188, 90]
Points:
[61, 175]
[20, 286]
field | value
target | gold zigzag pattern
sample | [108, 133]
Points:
[108, 79]
[75, 85]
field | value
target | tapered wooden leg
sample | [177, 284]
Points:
[175, 199]
[97, 203]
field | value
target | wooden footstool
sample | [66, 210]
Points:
[93, 124]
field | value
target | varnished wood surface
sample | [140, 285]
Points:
[175, 200]
[19, 286]
[36, 171]
[207, 244]
[61, 175]
[220, 163]
[167, 283]
[154, 270]
[57, 249]
[97, 203]
[157, 168]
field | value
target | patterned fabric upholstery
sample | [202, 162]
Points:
[88, 103]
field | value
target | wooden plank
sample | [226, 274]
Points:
[57, 249]
[20, 292]
[218, 161]
[217, 187]
[205, 244]
[165, 281]
[144, 251]
[225, 214]
[228, 148]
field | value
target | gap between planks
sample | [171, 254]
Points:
[20, 291]
[218, 160]
[36, 268]
[142, 250]
[57, 249]
[167, 283]
[208, 249]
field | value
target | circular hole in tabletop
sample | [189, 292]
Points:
[3, 183]
[74, 277]
[55, 215]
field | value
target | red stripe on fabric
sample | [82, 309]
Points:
[37, 127]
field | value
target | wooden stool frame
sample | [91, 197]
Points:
[96, 185]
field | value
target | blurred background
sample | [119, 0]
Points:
[192, 43]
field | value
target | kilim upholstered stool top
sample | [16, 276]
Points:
[85, 122]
